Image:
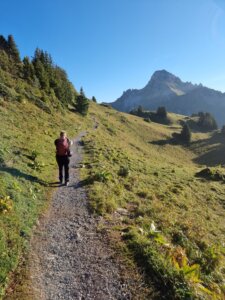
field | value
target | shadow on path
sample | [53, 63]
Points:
[55, 184]
[80, 184]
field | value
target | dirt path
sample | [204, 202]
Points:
[69, 259]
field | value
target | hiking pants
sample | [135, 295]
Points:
[63, 164]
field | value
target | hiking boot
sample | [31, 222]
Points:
[67, 183]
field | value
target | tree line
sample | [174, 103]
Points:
[40, 71]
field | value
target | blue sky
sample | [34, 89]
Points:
[108, 46]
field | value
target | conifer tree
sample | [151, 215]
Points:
[185, 133]
[82, 91]
[94, 99]
[82, 103]
[3, 43]
[41, 75]
[28, 70]
[13, 50]
[161, 112]
[140, 110]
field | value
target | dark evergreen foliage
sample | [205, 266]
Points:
[3, 43]
[9, 56]
[160, 116]
[13, 50]
[28, 70]
[52, 77]
[82, 91]
[207, 121]
[82, 103]
[94, 99]
[161, 112]
[41, 72]
[185, 134]
[140, 110]
[62, 87]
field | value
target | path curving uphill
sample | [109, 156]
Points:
[69, 259]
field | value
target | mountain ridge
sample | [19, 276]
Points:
[164, 88]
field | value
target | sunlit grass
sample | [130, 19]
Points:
[161, 186]
[27, 166]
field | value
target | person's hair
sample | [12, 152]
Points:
[63, 132]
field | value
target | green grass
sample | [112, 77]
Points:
[160, 185]
[129, 164]
[27, 166]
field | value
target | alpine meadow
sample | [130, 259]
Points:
[154, 180]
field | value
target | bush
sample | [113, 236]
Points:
[102, 176]
[210, 259]
[5, 205]
[148, 120]
[124, 171]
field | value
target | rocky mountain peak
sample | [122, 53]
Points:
[166, 89]
[163, 76]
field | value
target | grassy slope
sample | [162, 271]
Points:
[161, 187]
[25, 130]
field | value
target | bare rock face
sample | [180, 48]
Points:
[166, 89]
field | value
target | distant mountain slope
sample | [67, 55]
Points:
[166, 89]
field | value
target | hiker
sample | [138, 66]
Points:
[62, 156]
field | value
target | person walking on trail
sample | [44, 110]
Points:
[62, 156]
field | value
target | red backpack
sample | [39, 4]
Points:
[62, 147]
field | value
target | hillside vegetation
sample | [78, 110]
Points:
[170, 219]
[161, 205]
[32, 115]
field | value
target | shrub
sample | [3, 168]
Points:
[37, 166]
[210, 259]
[148, 120]
[34, 154]
[102, 176]
[124, 171]
[5, 205]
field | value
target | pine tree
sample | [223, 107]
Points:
[82, 91]
[94, 99]
[161, 112]
[3, 43]
[59, 82]
[13, 50]
[82, 103]
[28, 70]
[185, 133]
[140, 111]
[41, 75]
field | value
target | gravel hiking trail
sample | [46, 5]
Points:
[69, 258]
